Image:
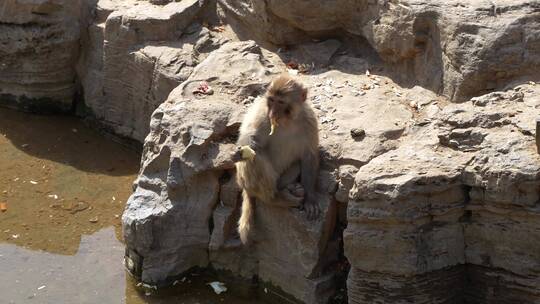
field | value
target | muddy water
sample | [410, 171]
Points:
[63, 188]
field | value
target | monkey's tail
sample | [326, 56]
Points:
[246, 218]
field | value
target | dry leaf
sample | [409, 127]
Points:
[218, 29]
[3, 207]
[292, 65]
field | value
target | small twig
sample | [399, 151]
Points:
[537, 135]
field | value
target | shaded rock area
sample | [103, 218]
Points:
[459, 49]
[424, 199]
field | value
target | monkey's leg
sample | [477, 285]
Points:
[259, 179]
[310, 167]
[270, 193]
[296, 189]
[288, 185]
[285, 198]
[290, 176]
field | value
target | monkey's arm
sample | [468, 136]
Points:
[308, 179]
[255, 136]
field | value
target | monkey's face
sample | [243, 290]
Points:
[285, 107]
[279, 108]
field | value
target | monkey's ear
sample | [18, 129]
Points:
[304, 95]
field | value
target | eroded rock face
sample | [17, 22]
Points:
[136, 55]
[462, 191]
[188, 147]
[38, 51]
[185, 207]
[424, 183]
[460, 50]
[456, 49]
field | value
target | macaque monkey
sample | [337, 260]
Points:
[278, 142]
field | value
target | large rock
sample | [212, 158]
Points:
[135, 56]
[185, 207]
[457, 49]
[460, 50]
[185, 156]
[38, 51]
[185, 169]
[457, 201]
[286, 21]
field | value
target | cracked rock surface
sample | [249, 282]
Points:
[462, 190]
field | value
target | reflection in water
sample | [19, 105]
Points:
[93, 275]
[60, 180]
[65, 188]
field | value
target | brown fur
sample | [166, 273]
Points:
[296, 140]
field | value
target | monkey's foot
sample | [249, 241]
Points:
[312, 208]
[294, 196]
[296, 189]
[232, 244]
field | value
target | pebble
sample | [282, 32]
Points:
[248, 100]
[358, 133]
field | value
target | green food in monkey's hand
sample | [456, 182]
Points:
[247, 152]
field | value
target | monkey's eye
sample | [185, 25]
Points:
[270, 99]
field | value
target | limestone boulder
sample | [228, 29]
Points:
[454, 48]
[39, 46]
[135, 55]
[185, 168]
[186, 203]
[459, 49]
[456, 201]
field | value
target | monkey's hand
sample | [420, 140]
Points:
[243, 153]
[247, 152]
[312, 208]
